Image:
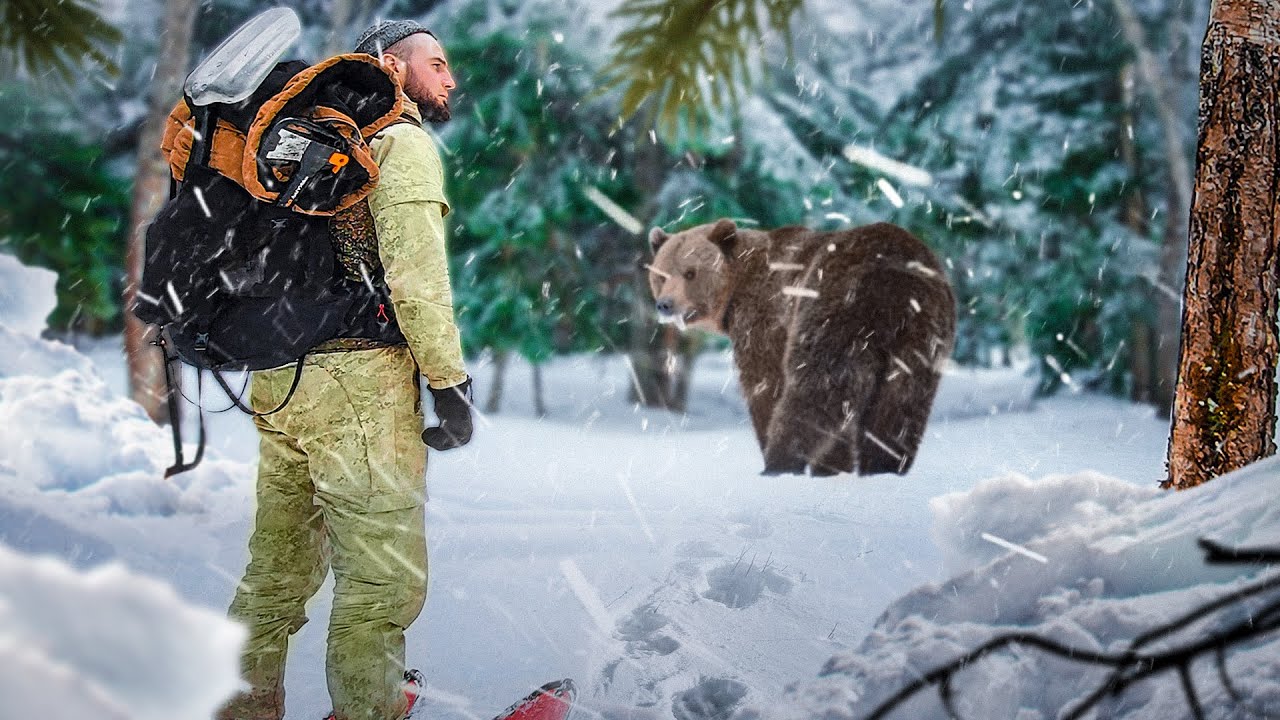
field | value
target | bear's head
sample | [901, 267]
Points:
[691, 276]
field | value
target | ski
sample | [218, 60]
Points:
[552, 701]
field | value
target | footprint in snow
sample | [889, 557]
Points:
[642, 628]
[738, 586]
[711, 699]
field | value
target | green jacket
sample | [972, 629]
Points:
[408, 207]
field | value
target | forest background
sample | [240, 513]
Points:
[1043, 149]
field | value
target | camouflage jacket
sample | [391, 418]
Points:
[400, 230]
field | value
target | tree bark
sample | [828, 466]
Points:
[539, 398]
[496, 386]
[659, 356]
[1224, 411]
[150, 189]
[1135, 218]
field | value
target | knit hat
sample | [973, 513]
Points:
[387, 33]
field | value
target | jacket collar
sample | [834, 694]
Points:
[410, 110]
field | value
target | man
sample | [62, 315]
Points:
[341, 475]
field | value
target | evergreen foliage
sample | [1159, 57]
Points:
[64, 210]
[1045, 194]
[529, 271]
[689, 57]
[54, 39]
[1028, 114]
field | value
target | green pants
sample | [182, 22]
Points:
[341, 484]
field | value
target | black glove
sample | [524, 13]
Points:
[453, 407]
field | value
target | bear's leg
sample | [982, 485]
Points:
[835, 456]
[894, 424]
[912, 316]
[822, 402]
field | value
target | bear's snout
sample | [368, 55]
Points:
[666, 306]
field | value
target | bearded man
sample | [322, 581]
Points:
[342, 468]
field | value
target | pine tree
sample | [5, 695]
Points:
[1044, 150]
[39, 38]
[529, 273]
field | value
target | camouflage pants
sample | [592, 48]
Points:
[340, 484]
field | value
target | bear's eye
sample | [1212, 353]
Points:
[688, 274]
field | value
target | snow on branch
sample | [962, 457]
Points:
[1133, 665]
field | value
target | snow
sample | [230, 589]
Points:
[1121, 561]
[639, 552]
[109, 642]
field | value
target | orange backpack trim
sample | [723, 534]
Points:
[226, 152]
[356, 133]
[233, 153]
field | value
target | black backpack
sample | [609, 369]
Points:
[241, 272]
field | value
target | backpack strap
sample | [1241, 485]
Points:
[175, 412]
[235, 398]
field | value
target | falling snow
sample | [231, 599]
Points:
[604, 541]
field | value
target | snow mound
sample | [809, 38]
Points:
[27, 296]
[64, 434]
[1023, 510]
[28, 355]
[108, 644]
[1117, 561]
[68, 435]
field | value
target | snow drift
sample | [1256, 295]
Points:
[107, 643]
[1119, 561]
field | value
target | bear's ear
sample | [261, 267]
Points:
[657, 236]
[725, 236]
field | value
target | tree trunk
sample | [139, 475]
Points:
[654, 384]
[1135, 218]
[1224, 410]
[150, 189]
[539, 401]
[1173, 259]
[500, 362]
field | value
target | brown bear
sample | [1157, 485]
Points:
[839, 336]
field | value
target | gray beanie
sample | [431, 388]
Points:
[387, 33]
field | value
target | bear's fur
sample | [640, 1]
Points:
[839, 336]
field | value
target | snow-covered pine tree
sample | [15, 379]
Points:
[531, 270]
[1044, 146]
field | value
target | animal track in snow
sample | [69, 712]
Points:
[737, 586]
[711, 699]
[641, 630]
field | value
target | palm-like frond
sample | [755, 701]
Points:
[38, 36]
[689, 56]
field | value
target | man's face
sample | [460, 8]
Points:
[423, 71]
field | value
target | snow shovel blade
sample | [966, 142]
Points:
[241, 62]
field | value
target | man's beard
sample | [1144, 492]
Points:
[434, 110]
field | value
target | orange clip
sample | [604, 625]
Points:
[338, 161]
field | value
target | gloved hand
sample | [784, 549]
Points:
[453, 407]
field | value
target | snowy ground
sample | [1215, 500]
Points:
[643, 555]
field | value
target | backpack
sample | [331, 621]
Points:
[241, 271]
